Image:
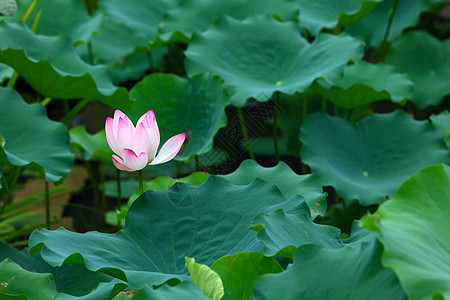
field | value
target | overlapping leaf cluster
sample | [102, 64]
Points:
[258, 232]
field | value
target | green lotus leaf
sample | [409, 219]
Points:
[206, 221]
[240, 271]
[52, 67]
[180, 23]
[186, 290]
[364, 83]
[30, 137]
[315, 15]
[369, 160]
[413, 227]
[195, 106]
[282, 233]
[426, 60]
[206, 279]
[442, 122]
[17, 283]
[71, 279]
[289, 183]
[92, 145]
[373, 27]
[350, 272]
[281, 60]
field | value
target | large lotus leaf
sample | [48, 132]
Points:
[289, 183]
[259, 56]
[195, 106]
[104, 291]
[427, 62]
[186, 290]
[206, 221]
[72, 279]
[364, 83]
[53, 68]
[318, 14]
[30, 137]
[442, 122]
[180, 23]
[373, 27]
[413, 227]
[15, 281]
[369, 160]
[92, 145]
[350, 272]
[240, 271]
[282, 233]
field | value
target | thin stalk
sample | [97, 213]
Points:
[5, 201]
[27, 14]
[335, 110]
[385, 43]
[101, 188]
[36, 21]
[141, 183]
[150, 60]
[46, 101]
[12, 80]
[75, 110]
[94, 183]
[119, 195]
[47, 205]
[245, 133]
[275, 130]
[304, 106]
[197, 164]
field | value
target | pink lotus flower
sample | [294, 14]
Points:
[137, 147]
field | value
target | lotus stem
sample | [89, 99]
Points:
[245, 133]
[385, 43]
[47, 205]
[275, 128]
[119, 196]
[141, 183]
[75, 110]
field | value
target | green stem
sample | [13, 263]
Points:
[75, 110]
[12, 80]
[150, 60]
[275, 129]
[245, 133]
[197, 164]
[119, 196]
[46, 101]
[101, 188]
[141, 183]
[385, 43]
[47, 205]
